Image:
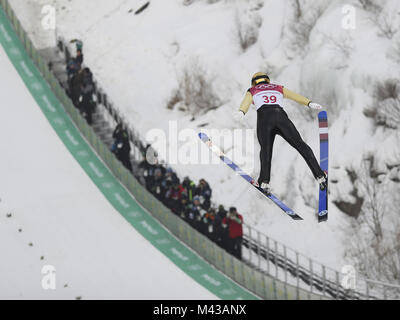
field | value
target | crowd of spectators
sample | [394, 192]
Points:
[188, 200]
[192, 203]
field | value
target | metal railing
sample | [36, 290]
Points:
[286, 264]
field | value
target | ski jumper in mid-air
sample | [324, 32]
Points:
[273, 120]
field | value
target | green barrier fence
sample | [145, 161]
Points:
[261, 285]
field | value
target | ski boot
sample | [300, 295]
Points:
[323, 182]
[266, 187]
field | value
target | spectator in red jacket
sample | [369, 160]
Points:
[234, 222]
[173, 197]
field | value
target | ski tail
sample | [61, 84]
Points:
[247, 177]
[324, 163]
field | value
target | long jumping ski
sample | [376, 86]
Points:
[248, 178]
[324, 157]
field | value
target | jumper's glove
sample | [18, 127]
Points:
[238, 115]
[315, 106]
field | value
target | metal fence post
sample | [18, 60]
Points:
[275, 259]
[311, 275]
[297, 275]
[259, 249]
[285, 290]
[285, 265]
[250, 244]
[267, 254]
[337, 284]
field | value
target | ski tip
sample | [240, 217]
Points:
[323, 115]
[294, 215]
[203, 136]
[323, 216]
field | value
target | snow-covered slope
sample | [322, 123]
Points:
[52, 214]
[139, 60]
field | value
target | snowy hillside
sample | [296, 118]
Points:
[141, 60]
[52, 214]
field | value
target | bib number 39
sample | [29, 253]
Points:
[270, 99]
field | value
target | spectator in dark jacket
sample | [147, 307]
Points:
[210, 225]
[72, 68]
[191, 215]
[88, 77]
[87, 89]
[121, 146]
[221, 233]
[234, 223]
[171, 178]
[79, 57]
[203, 190]
[156, 185]
[201, 210]
[75, 87]
[189, 188]
[147, 173]
[221, 212]
[184, 208]
[195, 214]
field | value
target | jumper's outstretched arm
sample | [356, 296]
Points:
[295, 97]
[246, 103]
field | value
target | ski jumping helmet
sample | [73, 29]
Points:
[258, 78]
